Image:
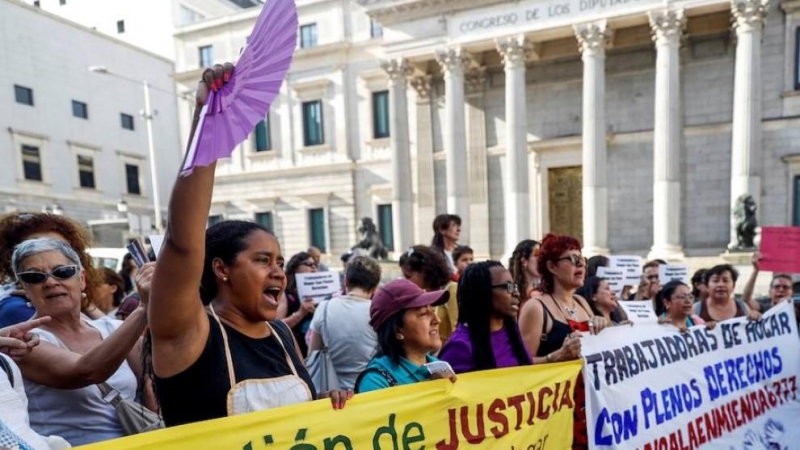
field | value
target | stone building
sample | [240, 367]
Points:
[632, 124]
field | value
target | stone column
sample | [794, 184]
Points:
[454, 61]
[426, 179]
[514, 51]
[592, 41]
[475, 85]
[667, 132]
[746, 156]
[402, 193]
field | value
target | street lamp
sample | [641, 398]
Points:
[148, 120]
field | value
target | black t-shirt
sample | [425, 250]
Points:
[201, 391]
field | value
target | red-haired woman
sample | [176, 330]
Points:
[551, 323]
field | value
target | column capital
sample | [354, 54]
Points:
[594, 37]
[398, 69]
[453, 58]
[515, 50]
[749, 14]
[423, 86]
[667, 25]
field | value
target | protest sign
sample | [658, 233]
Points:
[318, 285]
[520, 408]
[614, 277]
[631, 264]
[731, 387]
[780, 249]
[640, 312]
[156, 242]
[670, 272]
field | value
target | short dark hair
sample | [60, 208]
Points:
[363, 272]
[594, 262]
[654, 263]
[719, 269]
[441, 223]
[291, 268]
[590, 287]
[388, 344]
[224, 241]
[430, 263]
[666, 294]
[460, 251]
[783, 276]
[112, 278]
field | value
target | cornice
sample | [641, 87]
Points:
[388, 12]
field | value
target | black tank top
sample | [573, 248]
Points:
[553, 340]
[201, 391]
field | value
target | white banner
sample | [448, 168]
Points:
[733, 387]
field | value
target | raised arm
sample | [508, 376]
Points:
[178, 321]
[747, 293]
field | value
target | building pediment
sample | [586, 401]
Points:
[388, 12]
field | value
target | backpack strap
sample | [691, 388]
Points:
[383, 372]
[7, 369]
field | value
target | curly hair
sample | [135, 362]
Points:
[19, 226]
[523, 250]
[430, 263]
[224, 241]
[551, 249]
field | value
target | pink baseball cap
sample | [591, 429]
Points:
[399, 295]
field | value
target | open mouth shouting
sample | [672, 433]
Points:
[271, 295]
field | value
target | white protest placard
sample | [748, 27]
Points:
[732, 387]
[614, 277]
[670, 272]
[156, 241]
[640, 311]
[318, 285]
[631, 264]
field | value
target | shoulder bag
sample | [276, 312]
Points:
[319, 362]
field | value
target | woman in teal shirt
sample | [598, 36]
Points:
[403, 317]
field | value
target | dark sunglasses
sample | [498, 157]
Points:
[576, 260]
[509, 286]
[35, 277]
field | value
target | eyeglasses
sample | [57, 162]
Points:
[781, 286]
[509, 286]
[576, 260]
[35, 277]
[684, 298]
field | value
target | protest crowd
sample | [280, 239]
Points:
[217, 325]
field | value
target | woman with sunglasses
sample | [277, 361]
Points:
[487, 336]
[18, 227]
[75, 354]
[292, 310]
[678, 302]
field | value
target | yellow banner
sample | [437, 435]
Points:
[524, 408]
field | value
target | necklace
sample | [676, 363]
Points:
[573, 312]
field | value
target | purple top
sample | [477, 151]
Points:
[458, 350]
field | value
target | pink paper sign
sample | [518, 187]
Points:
[780, 249]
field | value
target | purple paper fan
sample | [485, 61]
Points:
[231, 113]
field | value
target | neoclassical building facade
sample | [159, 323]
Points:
[631, 124]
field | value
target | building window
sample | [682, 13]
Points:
[308, 35]
[385, 226]
[62, 2]
[79, 109]
[189, 16]
[127, 121]
[120, 26]
[132, 179]
[376, 30]
[797, 59]
[312, 123]
[796, 206]
[263, 141]
[23, 95]
[31, 163]
[206, 56]
[215, 219]
[265, 220]
[86, 171]
[380, 114]
[316, 223]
